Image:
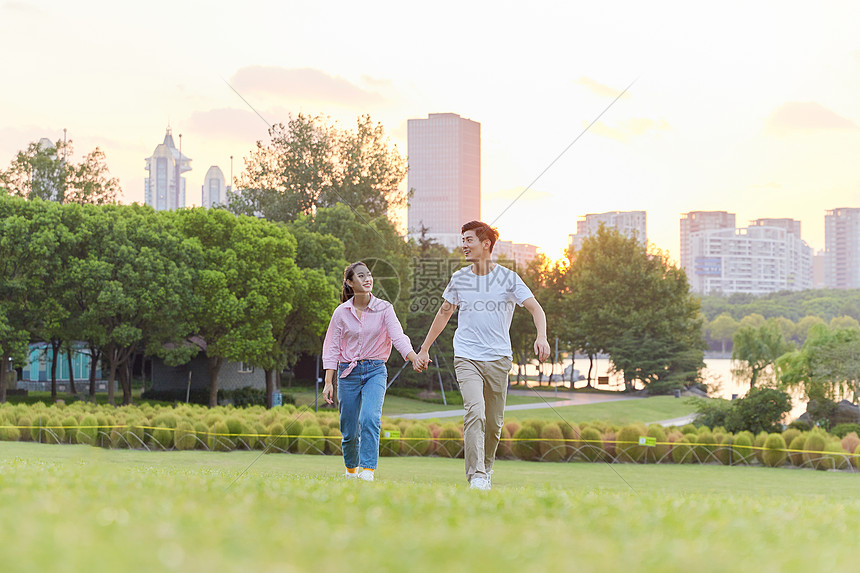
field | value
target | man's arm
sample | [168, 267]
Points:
[539, 316]
[443, 315]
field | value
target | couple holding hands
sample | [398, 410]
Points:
[364, 328]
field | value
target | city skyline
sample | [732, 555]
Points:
[764, 125]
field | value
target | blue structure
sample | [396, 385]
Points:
[36, 374]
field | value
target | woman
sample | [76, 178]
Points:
[357, 344]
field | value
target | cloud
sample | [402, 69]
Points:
[301, 84]
[598, 88]
[237, 124]
[805, 117]
[625, 130]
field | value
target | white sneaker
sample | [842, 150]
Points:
[481, 483]
[365, 475]
[352, 475]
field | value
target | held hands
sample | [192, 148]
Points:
[542, 348]
[421, 361]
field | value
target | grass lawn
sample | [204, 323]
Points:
[77, 508]
[617, 412]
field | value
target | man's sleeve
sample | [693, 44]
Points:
[521, 292]
[450, 294]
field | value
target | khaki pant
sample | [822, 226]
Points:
[484, 386]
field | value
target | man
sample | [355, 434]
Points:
[485, 294]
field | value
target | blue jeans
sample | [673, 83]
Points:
[360, 397]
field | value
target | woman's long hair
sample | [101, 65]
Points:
[346, 292]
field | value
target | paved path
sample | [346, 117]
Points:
[572, 400]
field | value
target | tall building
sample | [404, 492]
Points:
[756, 260]
[696, 221]
[214, 190]
[164, 187]
[842, 248]
[519, 253]
[628, 223]
[445, 172]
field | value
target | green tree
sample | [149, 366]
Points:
[722, 329]
[844, 322]
[827, 366]
[757, 348]
[804, 325]
[636, 306]
[753, 320]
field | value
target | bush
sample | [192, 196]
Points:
[239, 429]
[450, 441]
[276, 440]
[311, 444]
[88, 432]
[24, 422]
[551, 446]
[570, 433]
[504, 449]
[219, 441]
[418, 440]
[724, 449]
[835, 458]
[774, 454]
[10, 433]
[759, 441]
[525, 445]
[682, 452]
[789, 435]
[815, 443]
[70, 430]
[742, 452]
[761, 410]
[857, 458]
[184, 437]
[656, 453]
[801, 425]
[711, 412]
[628, 449]
[591, 447]
[704, 453]
[843, 430]
[246, 396]
[512, 427]
[334, 442]
[388, 446]
[797, 443]
[850, 442]
[201, 430]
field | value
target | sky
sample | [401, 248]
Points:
[751, 108]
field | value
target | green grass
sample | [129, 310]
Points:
[616, 412]
[77, 508]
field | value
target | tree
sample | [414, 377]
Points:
[636, 306]
[310, 164]
[761, 410]
[47, 171]
[803, 327]
[827, 366]
[756, 349]
[722, 329]
[753, 320]
[844, 322]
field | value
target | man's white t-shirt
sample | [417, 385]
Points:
[486, 308]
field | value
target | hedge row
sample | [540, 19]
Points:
[300, 430]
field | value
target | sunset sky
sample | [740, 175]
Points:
[747, 107]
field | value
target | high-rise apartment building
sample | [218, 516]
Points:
[164, 187]
[519, 253]
[696, 221]
[756, 260]
[445, 172]
[214, 191]
[628, 223]
[842, 248]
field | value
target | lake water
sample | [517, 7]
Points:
[718, 375]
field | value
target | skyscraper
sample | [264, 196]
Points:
[628, 223]
[164, 187]
[696, 221]
[842, 248]
[445, 171]
[214, 191]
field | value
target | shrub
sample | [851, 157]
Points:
[682, 452]
[70, 429]
[850, 442]
[334, 442]
[237, 427]
[835, 458]
[504, 449]
[724, 449]
[704, 453]
[88, 432]
[276, 440]
[628, 448]
[609, 439]
[201, 430]
[184, 437]
[512, 427]
[56, 431]
[551, 446]
[536, 424]
[760, 439]
[774, 454]
[525, 446]
[591, 446]
[418, 440]
[801, 425]
[789, 435]
[311, 444]
[857, 458]
[742, 452]
[761, 410]
[450, 441]
[815, 443]
[219, 441]
[9, 433]
[654, 454]
[689, 428]
[23, 422]
[570, 433]
[388, 446]
[797, 443]
[162, 436]
[843, 430]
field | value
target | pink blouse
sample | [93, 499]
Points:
[350, 338]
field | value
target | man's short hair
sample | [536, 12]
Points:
[483, 231]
